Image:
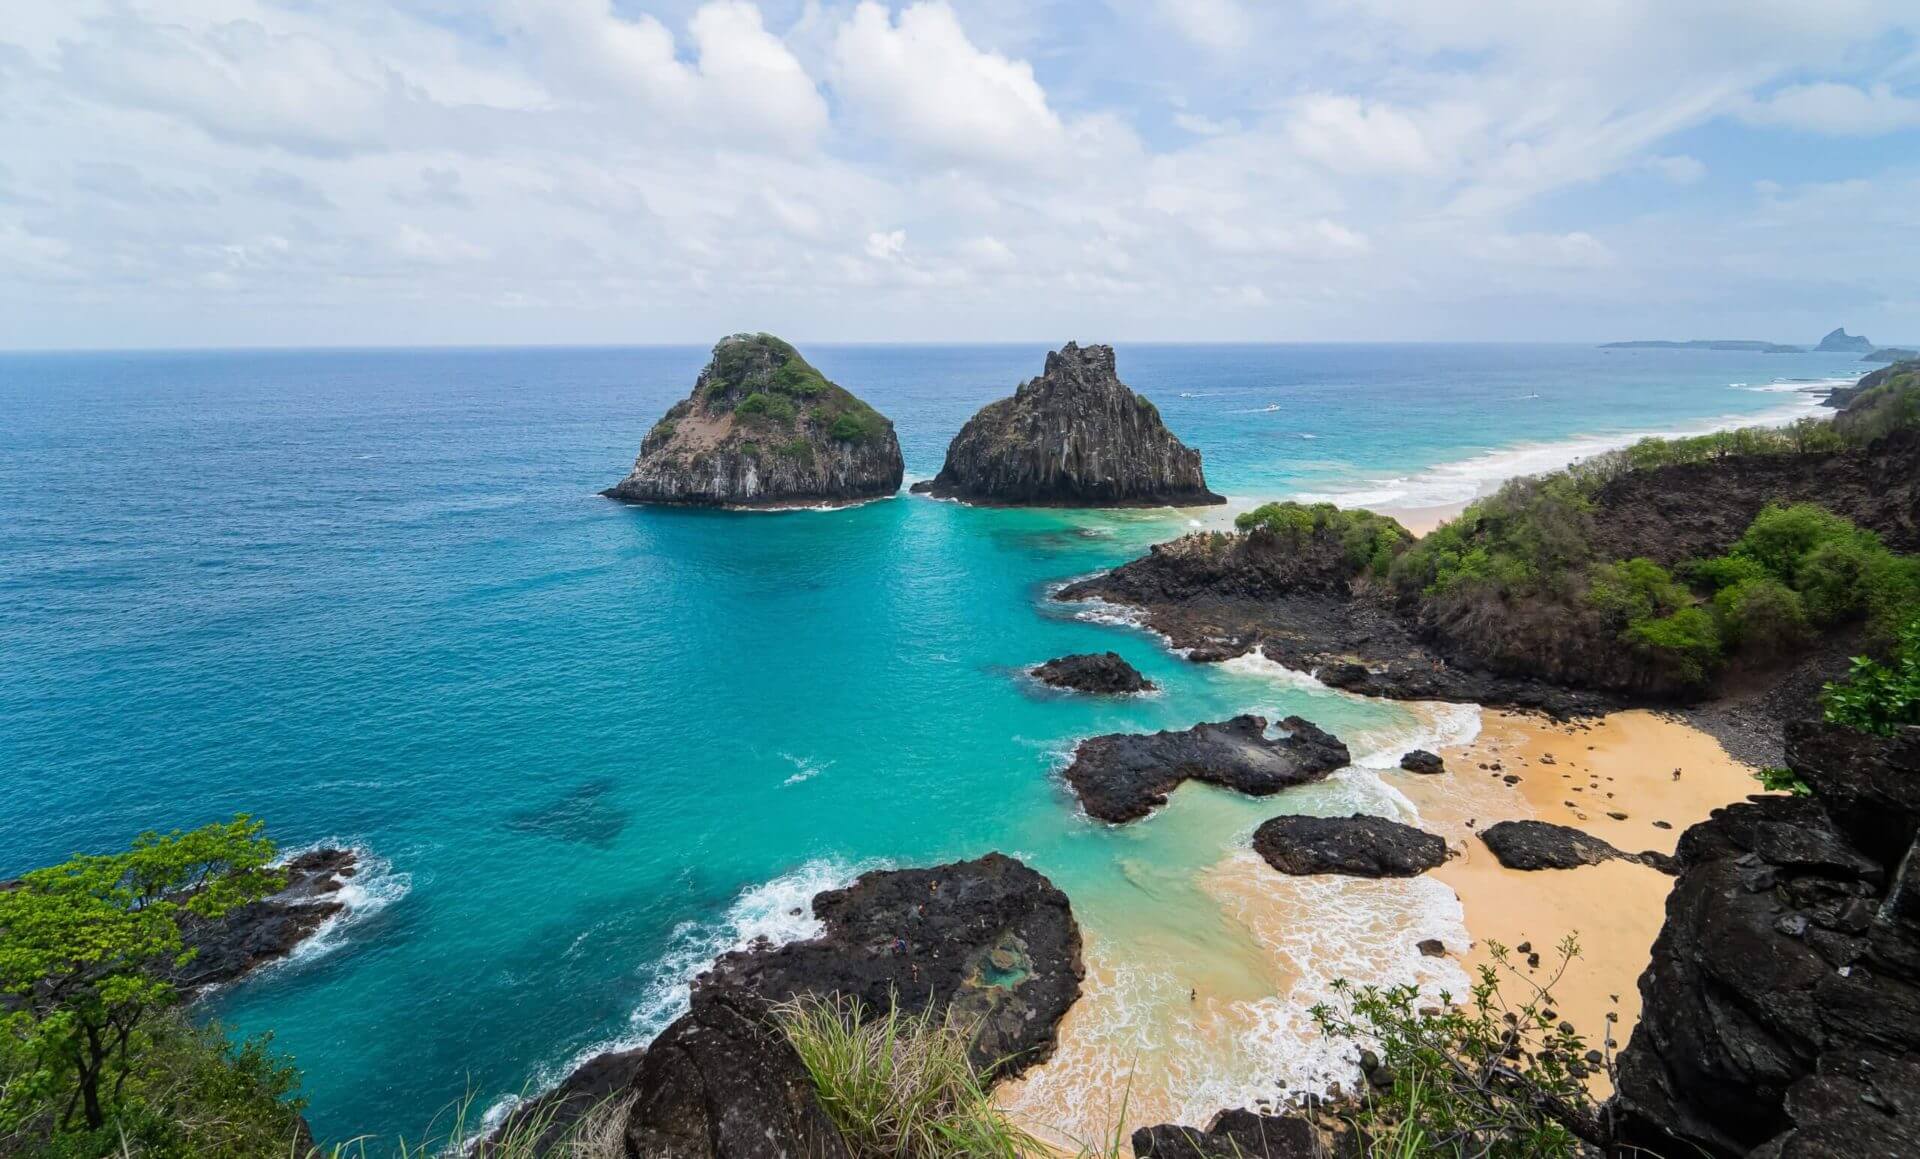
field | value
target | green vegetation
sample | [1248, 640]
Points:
[1370, 542]
[898, 1086]
[1779, 779]
[87, 960]
[1527, 538]
[1880, 697]
[773, 407]
[1890, 401]
[1484, 1079]
[857, 423]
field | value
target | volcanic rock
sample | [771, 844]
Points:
[1100, 672]
[1074, 437]
[1422, 761]
[1542, 845]
[1781, 1008]
[1356, 846]
[1124, 776]
[267, 930]
[763, 428]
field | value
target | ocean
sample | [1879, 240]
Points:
[372, 597]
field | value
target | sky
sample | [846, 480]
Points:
[423, 172]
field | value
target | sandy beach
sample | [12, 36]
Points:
[1614, 778]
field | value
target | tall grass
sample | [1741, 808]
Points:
[899, 1086]
[595, 1135]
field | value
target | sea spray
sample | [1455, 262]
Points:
[772, 913]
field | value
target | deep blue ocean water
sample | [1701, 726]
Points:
[371, 596]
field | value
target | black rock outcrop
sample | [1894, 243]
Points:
[267, 930]
[1422, 761]
[1125, 776]
[1074, 437]
[1781, 1011]
[1105, 673]
[763, 428]
[1356, 846]
[990, 941]
[1534, 845]
[1244, 1134]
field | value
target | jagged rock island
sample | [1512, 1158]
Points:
[763, 428]
[1074, 437]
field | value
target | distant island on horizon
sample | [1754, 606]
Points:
[1837, 341]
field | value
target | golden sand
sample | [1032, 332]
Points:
[1614, 779]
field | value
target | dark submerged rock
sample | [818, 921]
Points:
[269, 929]
[1422, 761]
[1074, 437]
[1125, 776]
[1356, 846]
[990, 941]
[1105, 673]
[763, 428]
[1781, 1009]
[1534, 845]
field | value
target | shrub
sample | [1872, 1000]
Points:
[857, 425]
[1491, 1078]
[1531, 535]
[1783, 780]
[799, 379]
[774, 407]
[1762, 616]
[1879, 697]
[1368, 541]
[1688, 640]
[1635, 590]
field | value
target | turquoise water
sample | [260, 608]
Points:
[371, 597]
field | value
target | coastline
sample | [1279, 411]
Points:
[1621, 763]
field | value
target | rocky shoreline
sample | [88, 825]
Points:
[268, 930]
[1123, 777]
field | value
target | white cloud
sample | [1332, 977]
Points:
[886, 246]
[1221, 25]
[1842, 110]
[1353, 136]
[923, 84]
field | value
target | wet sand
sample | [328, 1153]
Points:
[1622, 764]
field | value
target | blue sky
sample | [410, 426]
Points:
[299, 172]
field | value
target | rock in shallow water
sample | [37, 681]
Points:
[763, 428]
[1074, 437]
[1356, 846]
[1125, 776]
[269, 929]
[1105, 673]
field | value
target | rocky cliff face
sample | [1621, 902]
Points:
[763, 428]
[1074, 437]
[1782, 1006]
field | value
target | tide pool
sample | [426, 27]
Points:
[371, 597]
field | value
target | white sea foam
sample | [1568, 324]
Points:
[373, 887]
[805, 768]
[1465, 480]
[776, 912]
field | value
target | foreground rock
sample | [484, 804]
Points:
[1074, 437]
[269, 929]
[1125, 776]
[763, 428]
[1532, 845]
[1243, 1134]
[989, 942]
[1356, 846]
[1422, 761]
[1781, 1011]
[1105, 673]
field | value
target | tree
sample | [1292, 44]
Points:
[88, 949]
